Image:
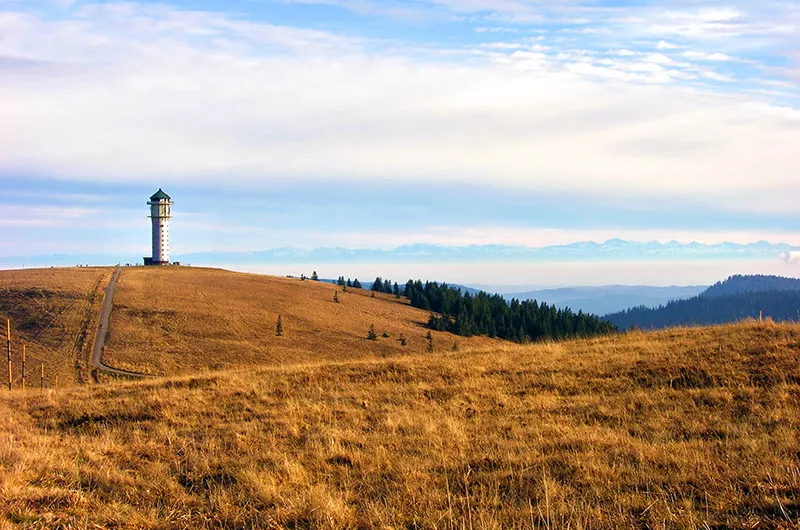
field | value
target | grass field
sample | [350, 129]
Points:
[685, 428]
[54, 312]
[179, 320]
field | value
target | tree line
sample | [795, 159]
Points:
[466, 315]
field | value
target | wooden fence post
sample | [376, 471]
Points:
[8, 348]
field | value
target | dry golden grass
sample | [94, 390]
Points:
[685, 428]
[55, 312]
[178, 320]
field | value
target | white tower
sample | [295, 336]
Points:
[160, 214]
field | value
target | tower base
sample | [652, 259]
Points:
[149, 262]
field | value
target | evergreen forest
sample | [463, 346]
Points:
[737, 298]
[466, 315]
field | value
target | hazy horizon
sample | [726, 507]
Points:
[537, 276]
[516, 275]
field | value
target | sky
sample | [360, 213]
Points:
[375, 123]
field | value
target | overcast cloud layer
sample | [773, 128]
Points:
[633, 101]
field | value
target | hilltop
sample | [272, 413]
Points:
[184, 320]
[684, 428]
[737, 298]
[752, 283]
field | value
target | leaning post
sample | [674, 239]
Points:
[8, 349]
[23, 366]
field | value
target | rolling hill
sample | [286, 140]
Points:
[684, 428]
[752, 283]
[737, 298]
[183, 320]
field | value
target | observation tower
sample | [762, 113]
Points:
[160, 214]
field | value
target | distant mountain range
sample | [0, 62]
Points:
[608, 298]
[611, 250]
[739, 297]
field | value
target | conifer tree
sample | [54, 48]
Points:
[279, 327]
[349, 283]
[314, 276]
[356, 284]
[387, 286]
[396, 290]
[429, 349]
[377, 285]
[371, 335]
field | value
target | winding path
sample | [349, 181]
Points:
[102, 330]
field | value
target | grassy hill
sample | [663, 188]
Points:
[684, 428]
[181, 320]
[54, 312]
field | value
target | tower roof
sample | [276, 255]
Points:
[159, 196]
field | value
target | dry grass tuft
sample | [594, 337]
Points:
[685, 428]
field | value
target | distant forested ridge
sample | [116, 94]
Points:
[752, 283]
[465, 314]
[737, 298]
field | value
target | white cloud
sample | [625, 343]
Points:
[659, 58]
[664, 45]
[484, 29]
[20, 216]
[705, 56]
[715, 76]
[125, 92]
[791, 257]
[502, 45]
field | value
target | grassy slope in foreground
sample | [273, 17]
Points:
[178, 320]
[679, 428]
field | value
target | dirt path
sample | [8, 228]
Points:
[102, 330]
[80, 342]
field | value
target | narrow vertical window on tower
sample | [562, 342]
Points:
[160, 214]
